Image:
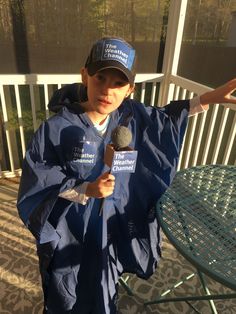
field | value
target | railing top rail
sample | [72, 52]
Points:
[149, 77]
[195, 87]
[11, 79]
[192, 86]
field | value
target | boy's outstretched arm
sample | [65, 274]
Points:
[222, 94]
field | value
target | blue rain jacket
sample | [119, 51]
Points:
[82, 254]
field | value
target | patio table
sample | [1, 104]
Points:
[198, 215]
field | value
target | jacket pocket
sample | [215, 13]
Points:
[45, 253]
[61, 291]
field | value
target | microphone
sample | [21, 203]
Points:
[119, 157]
[121, 138]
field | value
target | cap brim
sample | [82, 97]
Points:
[95, 67]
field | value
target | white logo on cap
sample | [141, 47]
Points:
[111, 52]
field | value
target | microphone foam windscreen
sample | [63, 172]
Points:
[121, 137]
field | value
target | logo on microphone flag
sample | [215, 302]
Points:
[124, 161]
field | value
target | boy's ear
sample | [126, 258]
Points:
[84, 76]
[130, 91]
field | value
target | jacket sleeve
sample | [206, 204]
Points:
[43, 178]
[160, 131]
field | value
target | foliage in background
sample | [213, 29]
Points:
[208, 21]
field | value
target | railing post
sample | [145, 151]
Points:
[172, 48]
[6, 127]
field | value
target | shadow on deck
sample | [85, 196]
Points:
[20, 280]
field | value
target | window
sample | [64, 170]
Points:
[209, 42]
[54, 36]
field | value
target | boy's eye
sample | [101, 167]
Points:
[115, 82]
[99, 77]
[121, 83]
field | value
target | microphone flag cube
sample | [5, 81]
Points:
[120, 161]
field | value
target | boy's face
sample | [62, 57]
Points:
[106, 90]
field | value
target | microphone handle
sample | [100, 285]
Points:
[108, 161]
[101, 207]
[102, 203]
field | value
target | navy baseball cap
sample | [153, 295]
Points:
[114, 53]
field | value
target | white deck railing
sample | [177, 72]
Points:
[210, 137]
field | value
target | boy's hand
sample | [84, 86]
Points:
[221, 94]
[102, 187]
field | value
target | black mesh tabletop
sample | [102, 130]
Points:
[198, 215]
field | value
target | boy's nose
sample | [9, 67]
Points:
[106, 88]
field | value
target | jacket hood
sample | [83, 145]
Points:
[68, 96]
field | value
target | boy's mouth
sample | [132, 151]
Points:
[104, 101]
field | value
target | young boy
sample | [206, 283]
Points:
[64, 180]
